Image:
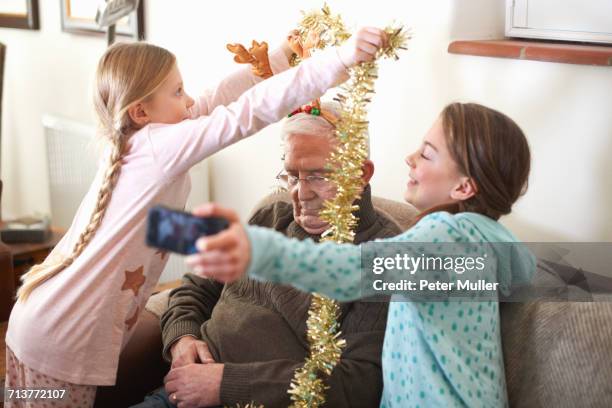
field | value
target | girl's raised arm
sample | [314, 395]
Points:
[335, 270]
[178, 147]
[347, 272]
[235, 84]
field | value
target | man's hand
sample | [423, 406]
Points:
[195, 385]
[224, 256]
[189, 350]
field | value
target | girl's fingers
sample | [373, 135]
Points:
[373, 30]
[221, 257]
[199, 271]
[216, 272]
[225, 257]
[368, 48]
[208, 258]
[226, 273]
[368, 41]
[374, 38]
[193, 260]
[221, 271]
[221, 241]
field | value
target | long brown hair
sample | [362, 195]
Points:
[126, 74]
[492, 150]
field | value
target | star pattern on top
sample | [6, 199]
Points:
[131, 321]
[134, 280]
[162, 254]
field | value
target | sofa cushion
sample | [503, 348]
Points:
[158, 303]
[558, 353]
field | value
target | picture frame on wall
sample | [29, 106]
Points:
[19, 14]
[79, 16]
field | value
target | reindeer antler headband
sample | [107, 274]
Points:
[257, 56]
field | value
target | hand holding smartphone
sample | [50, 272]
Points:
[178, 231]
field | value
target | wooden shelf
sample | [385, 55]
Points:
[570, 53]
[24, 256]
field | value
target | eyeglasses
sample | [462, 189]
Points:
[315, 182]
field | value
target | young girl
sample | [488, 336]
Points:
[77, 310]
[472, 166]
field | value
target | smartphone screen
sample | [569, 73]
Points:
[178, 231]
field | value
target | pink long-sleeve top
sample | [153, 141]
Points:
[74, 326]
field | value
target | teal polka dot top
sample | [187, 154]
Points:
[435, 353]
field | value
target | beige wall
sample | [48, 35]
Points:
[564, 109]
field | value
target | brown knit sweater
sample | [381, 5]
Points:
[258, 330]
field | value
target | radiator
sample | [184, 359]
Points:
[72, 156]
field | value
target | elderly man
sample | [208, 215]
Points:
[247, 339]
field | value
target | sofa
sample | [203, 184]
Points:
[556, 353]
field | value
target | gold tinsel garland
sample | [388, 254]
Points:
[351, 130]
[307, 387]
[329, 29]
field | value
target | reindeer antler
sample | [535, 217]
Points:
[262, 66]
[242, 55]
[257, 56]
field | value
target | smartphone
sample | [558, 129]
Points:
[178, 231]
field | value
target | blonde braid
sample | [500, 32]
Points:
[127, 73]
[41, 273]
[104, 196]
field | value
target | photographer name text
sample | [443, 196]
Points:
[435, 286]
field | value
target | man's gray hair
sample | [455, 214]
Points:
[305, 124]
